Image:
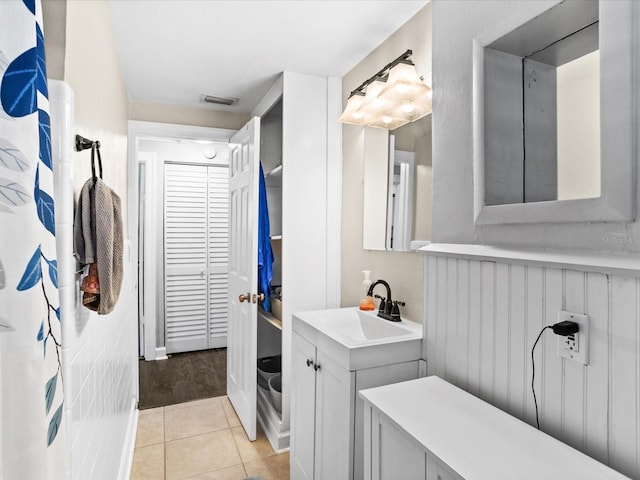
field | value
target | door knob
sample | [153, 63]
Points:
[244, 297]
[309, 362]
[257, 298]
[316, 367]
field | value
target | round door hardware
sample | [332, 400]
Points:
[257, 298]
[309, 362]
[316, 367]
[244, 297]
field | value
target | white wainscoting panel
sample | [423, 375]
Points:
[482, 318]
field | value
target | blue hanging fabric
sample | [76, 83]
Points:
[265, 253]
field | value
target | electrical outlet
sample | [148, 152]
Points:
[576, 346]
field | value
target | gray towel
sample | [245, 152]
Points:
[98, 239]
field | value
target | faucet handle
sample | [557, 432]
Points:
[383, 303]
[395, 310]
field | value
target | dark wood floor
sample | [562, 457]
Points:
[182, 378]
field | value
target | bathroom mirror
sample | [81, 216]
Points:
[397, 186]
[548, 87]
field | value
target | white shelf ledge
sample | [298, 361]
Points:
[626, 264]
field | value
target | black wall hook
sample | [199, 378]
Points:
[84, 143]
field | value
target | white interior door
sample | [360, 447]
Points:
[243, 273]
[148, 244]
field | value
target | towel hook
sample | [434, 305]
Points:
[84, 143]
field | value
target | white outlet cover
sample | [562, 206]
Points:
[582, 337]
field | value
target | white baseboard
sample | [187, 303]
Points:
[161, 353]
[129, 443]
[158, 353]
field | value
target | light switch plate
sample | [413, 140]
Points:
[574, 347]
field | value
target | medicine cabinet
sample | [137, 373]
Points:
[554, 114]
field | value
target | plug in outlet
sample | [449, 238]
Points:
[576, 346]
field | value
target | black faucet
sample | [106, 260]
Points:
[389, 310]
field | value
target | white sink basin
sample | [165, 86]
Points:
[361, 339]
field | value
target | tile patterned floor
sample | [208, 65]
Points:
[202, 440]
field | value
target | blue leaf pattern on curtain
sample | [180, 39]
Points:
[45, 137]
[24, 100]
[41, 64]
[50, 391]
[53, 270]
[40, 336]
[31, 5]
[54, 425]
[19, 90]
[33, 272]
[44, 206]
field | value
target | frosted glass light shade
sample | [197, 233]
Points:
[374, 107]
[351, 113]
[403, 84]
[390, 104]
[387, 121]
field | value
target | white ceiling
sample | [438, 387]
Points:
[173, 51]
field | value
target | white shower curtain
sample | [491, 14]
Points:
[32, 441]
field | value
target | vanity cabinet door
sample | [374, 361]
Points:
[303, 403]
[439, 471]
[394, 455]
[335, 397]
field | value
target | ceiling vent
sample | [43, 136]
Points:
[219, 100]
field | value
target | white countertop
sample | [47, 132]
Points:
[357, 339]
[477, 440]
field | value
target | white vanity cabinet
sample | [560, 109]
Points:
[429, 429]
[323, 394]
[327, 371]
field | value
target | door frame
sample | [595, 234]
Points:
[137, 131]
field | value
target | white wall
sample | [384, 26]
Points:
[579, 128]
[482, 317]
[100, 353]
[181, 115]
[403, 271]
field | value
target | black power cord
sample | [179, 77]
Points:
[563, 329]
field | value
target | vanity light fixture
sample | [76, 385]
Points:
[393, 97]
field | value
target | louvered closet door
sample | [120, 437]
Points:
[218, 254]
[185, 247]
[196, 228]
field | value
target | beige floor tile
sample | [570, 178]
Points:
[150, 429]
[194, 403]
[229, 411]
[150, 411]
[200, 454]
[148, 463]
[275, 467]
[194, 420]
[236, 472]
[251, 451]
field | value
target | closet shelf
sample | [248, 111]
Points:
[274, 172]
[267, 317]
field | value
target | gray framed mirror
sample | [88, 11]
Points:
[553, 115]
[397, 186]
